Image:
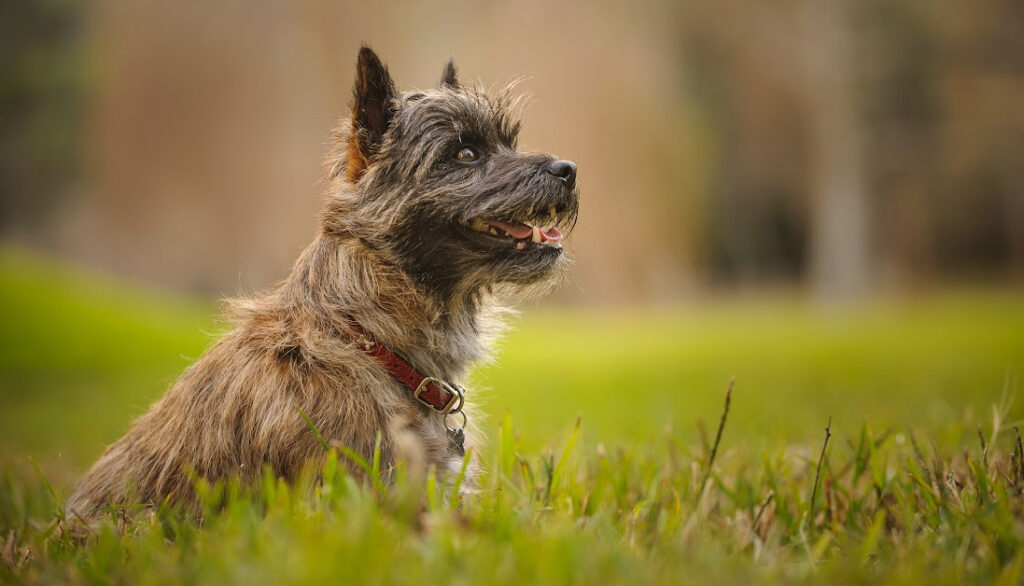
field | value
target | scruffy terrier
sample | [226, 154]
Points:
[431, 216]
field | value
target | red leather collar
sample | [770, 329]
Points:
[435, 393]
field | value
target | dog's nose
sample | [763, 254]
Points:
[564, 170]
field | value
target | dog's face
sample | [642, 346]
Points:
[443, 188]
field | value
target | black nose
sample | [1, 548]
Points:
[564, 170]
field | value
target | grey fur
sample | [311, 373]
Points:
[393, 251]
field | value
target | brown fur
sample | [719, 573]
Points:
[356, 161]
[236, 409]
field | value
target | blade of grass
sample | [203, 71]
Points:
[718, 440]
[817, 473]
[312, 428]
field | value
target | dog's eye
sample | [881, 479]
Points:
[466, 155]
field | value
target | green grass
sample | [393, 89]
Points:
[905, 494]
[80, 356]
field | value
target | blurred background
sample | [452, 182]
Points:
[841, 147]
[790, 155]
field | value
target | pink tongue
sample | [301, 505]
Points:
[516, 230]
[552, 235]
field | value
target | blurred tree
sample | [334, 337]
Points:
[839, 241]
[41, 93]
[900, 68]
[980, 208]
[793, 195]
[861, 144]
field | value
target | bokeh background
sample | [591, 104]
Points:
[824, 198]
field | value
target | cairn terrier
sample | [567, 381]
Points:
[431, 216]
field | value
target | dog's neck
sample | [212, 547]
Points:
[338, 278]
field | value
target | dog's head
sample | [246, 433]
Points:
[434, 179]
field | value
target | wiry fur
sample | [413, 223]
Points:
[392, 254]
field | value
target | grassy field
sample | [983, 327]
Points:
[904, 493]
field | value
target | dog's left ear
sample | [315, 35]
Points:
[373, 107]
[448, 77]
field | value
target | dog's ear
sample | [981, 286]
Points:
[448, 77]
[372, 111]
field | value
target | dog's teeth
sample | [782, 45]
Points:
[492, 230]
[478, 225]
[536, 234]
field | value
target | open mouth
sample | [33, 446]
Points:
[538, 232]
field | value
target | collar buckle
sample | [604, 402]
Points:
[457, 392]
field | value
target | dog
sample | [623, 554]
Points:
[432, 219]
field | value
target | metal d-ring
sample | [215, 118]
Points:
[465, 420]
[460, 394]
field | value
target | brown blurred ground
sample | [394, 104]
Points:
[849, 147]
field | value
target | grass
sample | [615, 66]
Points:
[80, 356]
[637, 491]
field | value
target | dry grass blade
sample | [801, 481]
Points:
[1020, 456]
[761, 509]
[817, 473]
[718, 439]
[984, 449]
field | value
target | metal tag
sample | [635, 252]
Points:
[457, 441]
